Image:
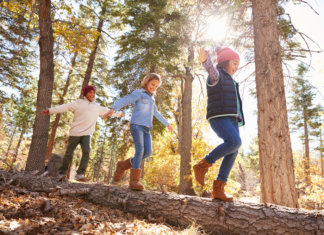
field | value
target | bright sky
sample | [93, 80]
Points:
[306, 21]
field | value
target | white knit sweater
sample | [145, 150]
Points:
[85, 117]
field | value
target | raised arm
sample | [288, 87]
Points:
[204, 58]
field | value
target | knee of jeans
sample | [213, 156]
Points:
[139, 152]
[147, 154]
[235, 143]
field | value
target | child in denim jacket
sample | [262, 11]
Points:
[140, 126]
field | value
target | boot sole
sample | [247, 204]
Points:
[222, 200]
[135, 189]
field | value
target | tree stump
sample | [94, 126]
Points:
[54, 164]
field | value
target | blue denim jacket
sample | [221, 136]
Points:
[144, 108]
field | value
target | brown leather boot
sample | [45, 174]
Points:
[218, 191]
[134, 182]
[200, 170]
[122, 166]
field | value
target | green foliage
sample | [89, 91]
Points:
[17, 29]
[303, 110]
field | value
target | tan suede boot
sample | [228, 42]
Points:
[200, 170]
[122, 166]
[218, 191]
[134, 182]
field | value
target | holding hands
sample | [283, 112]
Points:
[112, 113]
[202, 54]
[109, 113]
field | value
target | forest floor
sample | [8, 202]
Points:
[25, 212]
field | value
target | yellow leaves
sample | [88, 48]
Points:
[18, 199]
[311, 195]
[86, 227]
[4, 4]
[74, 35]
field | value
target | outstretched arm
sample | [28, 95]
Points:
[129, 99]
[204, 58]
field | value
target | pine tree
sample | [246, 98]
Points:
[276, 160]
[305, 114]
[36, 159]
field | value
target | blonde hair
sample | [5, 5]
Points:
[149, 77]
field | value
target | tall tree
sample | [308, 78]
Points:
[36, 155]
[276, 160]
[305, 114]
[185, 127]
[94, 49]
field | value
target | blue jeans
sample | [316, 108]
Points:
[143, 144]
[227, 129]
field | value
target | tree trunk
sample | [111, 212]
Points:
[99, 163]
[306, 158]
[10, 142]
[93, 53]
[276, 160]
[50, 144]
[213, 216]
[322, 157]
[36, 156]
[109, 173]
[18, 145]
[185, 186]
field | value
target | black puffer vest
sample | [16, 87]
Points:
[222, 98]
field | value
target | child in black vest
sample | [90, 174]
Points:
[225, 115]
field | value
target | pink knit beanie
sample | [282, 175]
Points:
[86, 89]
[225, 54]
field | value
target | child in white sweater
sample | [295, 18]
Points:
[86, 113]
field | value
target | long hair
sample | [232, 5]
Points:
[149, 77]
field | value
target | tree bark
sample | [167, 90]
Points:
[306, 157]
[276, 160]
[185, 186]
[322, 157]
[10, 142]
[18, 145]
[213, 216]
[93, 53]
[50, 144]
[36, 156]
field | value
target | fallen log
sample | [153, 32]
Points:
[212, 216]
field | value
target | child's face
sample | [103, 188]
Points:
[232, 66]
[91, 95]
[152, 86]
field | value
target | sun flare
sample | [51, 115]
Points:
[216, 28]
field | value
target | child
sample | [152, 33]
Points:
[86, 113]
[225, 115]
[140, 125]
